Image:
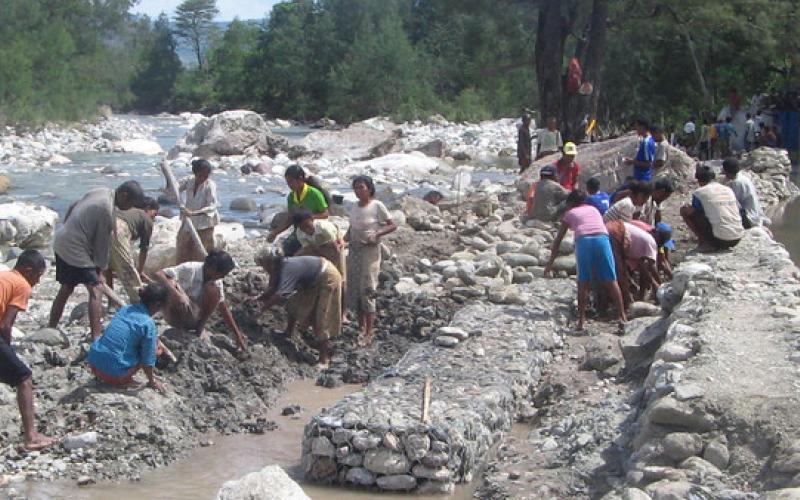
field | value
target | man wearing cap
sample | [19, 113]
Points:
[547, 200]
[567, 168]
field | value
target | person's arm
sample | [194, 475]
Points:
[227, 316]
[210, 301]
[147, 357]
[142, 260]
[562, 231]
[278, 230]
[169, 282]
[7, 323]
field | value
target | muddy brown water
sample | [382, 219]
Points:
[787, 229]
[201, 474]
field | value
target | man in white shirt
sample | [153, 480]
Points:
[713, 215]
[750, 133]
[746, 194]
[549, 141]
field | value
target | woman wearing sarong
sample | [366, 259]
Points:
[311, 289]
[369, 221]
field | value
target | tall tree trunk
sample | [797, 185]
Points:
[590, 55]
[549, 55]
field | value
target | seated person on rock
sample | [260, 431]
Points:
[596, 198]
[746, 194]
[546, 197]
[311, 289]
[713, 216]
[129, 342]
[196, 291]
[15, 290]
[132, 224]
[631, 202]
[81, 247]
[593, 253]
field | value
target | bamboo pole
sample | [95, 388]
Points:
[426, 400]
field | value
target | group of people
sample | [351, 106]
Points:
[714, 139]
[318, 273]
[621, 242]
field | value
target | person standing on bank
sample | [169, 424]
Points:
[645, 155]
[15, 290]
[595, 258]
[130, 341]
[549, 139]
[81, 247]
[524, 144]
[369, 222]
[202, 206]
[306, 194]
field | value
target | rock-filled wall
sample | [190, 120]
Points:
[376, 438]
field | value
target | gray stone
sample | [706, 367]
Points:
[341, 436]
[566, 263]
[453, 331]
[468, 278]
[679, 446]
[445, 341]
[386, 462]
[322, 447]
[521, 277]
[505, 247]
[669, 412]
[782, 494]
[399, 482]
[417, 446]
[519, 260]
[48, 336]
[717, 453]
[391, 442]
[670, 490]
[438, 474]
[363, 440]
[436, 459]
[270, 483]
[599, 355]
[685, 392]
[85, 440]
[643, 309]
[699, 468]
[352, 460]
[434, 148]
[634, 494]
[244, 204]
[642, 338]
[567, 246]
[360, 476]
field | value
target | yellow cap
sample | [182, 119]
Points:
[570, 149]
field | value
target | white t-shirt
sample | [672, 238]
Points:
[747, 196]
[722, 210]
[366, 220]
[689, 128]
[662, 152]
[324, 232]
[549, 140]
[189, 276]
[622, 210]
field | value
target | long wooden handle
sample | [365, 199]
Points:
[187, 221]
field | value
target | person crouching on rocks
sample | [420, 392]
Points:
[714, 215]
[311, 289]
[129, 342]
[595, 260]
[321, 238]
[15, 290]
[369, 222]
[195, 291]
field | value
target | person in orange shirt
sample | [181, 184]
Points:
[567, 169]
[15, 290]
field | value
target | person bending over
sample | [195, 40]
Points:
[196, 291]
[15, 290]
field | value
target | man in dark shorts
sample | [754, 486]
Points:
[81, 247]
[15, 290]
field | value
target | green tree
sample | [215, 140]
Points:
[154, 84]
[194, 23]
[228, 64]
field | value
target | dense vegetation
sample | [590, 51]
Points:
[351, 59]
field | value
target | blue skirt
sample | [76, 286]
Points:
[595, 258]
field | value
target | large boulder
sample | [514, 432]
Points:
[162, 251]
[231, 133]
[25, 225]
[270, 483]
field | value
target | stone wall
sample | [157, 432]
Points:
[374, 438]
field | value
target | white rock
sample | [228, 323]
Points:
[85, 440]
[445, 341]
[25, 225]
[453, 332]
[139, 146]
[270, 483]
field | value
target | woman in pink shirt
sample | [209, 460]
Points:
[592, 252]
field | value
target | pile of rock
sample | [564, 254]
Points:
[770, 170]
[238, 132]
[25, 225]
[376, 437]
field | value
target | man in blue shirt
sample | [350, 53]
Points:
[598, 199]
[643, 163]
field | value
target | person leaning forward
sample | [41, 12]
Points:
[714, 215]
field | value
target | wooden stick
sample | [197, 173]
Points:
[426, 400]
[187, 225]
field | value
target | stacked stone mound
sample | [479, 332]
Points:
[771, 172]
[604, 160]
[375, 438]
[237, 132]
[25, 225]
[719, 408]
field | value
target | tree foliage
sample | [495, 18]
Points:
[154, 83]
[194, 23]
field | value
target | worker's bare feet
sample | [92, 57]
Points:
[38, 442]
[365, 340]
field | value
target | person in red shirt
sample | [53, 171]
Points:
[567, 168]
[15, 290]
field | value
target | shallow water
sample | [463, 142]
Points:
[787, 230]
[201, 474]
